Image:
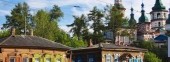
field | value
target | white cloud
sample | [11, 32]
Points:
[38, 4]
[65, 28]
[4, 12]
[87, 5]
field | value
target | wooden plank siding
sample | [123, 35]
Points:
[32, 54]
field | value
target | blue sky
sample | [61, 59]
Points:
[68, 9]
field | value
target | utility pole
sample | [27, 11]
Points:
[25, 25]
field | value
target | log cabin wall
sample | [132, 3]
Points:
[32, 55]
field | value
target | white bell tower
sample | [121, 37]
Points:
[159, 15]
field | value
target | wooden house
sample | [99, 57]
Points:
[29, 48]
[107, 52]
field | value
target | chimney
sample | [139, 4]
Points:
[31, 32]
[13, 31]
[100, 45]
[90, 43]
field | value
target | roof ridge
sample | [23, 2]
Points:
[52, 41]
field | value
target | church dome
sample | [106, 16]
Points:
[158, 6]
[143, 17]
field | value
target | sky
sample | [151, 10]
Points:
[67, 6]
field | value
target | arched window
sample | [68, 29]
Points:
[158, 15]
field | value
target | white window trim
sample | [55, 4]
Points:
[27, 58]
[109, 56]
[38, 58]
[48, 58]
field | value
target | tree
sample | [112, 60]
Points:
[19, 18]
[78, 26]
[145, 44]
[114, 19]
[151, 57]
[55, 13]
[77, 43]
[4, 33]
[74, 42]
[46, 23]
[43, 26]
[96, 16]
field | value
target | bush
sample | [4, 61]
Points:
[151, 57]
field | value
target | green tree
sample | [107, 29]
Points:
[4, 33]
[115, 20]
[96, 16]
[56, 13]
[74, 42]
[19, 18]
[46, 23]
[145, 44]
[78, 26]
[151, 57]
[77, 43]
[44, 27]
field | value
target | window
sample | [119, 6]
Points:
[12, 59]
[48, 59]
[159, 24]
[37, 59]
[152, 16]
[79, 59]
[158, 15]
[58, 60]
[108, 58]
[116, 58]
[26, 59]
[130, 60]
[91, 58]
[165, 15]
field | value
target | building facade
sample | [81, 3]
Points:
[29, 48]
[106, 52]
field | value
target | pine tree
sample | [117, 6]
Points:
[78, 26]
[115, 20]
[95, 16]
[19, 18]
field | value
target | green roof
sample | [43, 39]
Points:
[132, 20]
[143, 17]
[158, 6]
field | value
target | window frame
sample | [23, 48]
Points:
[58, 59]
[27, 59]
[13, 58]
[39, 59]
[48, 59]
[91, 56]
[110, 58]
